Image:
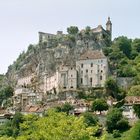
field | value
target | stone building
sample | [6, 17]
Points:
[67, 77]
[25, 94]
[92, 68]
[44, 37]
[50, 82]
[99, 33]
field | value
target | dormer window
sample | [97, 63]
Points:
[81, 65]
[91, 64]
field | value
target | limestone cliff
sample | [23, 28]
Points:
[48, 54]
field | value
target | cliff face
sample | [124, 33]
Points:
[47, 55]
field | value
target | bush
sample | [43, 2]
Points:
[90, 119]
[116, 133]
[123, 124]
[115, 120]
[99, 105]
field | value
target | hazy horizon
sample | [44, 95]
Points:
[22, 20]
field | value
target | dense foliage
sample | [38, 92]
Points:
[6, 93]
[134, 133]
[55, 126]
[124, 61]
[124, 57]
[99, 105]
[116, 121]
[113, 90]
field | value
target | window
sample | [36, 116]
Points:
[101, 61]
[81, 65]
[71, 75]
[71, 68]
[81, 80]
[91, 81]
[81, 72]
[101, 71]
[101, 77]
[91, 71]
[91, 64]
[86, 70]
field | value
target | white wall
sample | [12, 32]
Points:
[98, 72]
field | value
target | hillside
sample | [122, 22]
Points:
[48, 54]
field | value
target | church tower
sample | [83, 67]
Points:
[109, 26]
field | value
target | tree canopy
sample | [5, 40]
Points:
[99, 105]
[116, 121]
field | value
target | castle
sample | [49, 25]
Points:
[89, 70]
[99, 33]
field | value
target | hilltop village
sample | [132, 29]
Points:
[88, 70]
[59, 73]
[83, 78]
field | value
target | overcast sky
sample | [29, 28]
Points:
[20, 21]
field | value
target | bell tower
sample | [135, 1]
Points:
[109, 26]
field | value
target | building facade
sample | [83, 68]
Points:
[25, 94]
[92, 68]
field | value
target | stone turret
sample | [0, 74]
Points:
[109, 26]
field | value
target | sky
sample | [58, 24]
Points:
[21, 20]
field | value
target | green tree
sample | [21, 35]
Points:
[5, 93]
[136, 44]
[73, 30]
[134, 90]
[111, 87]
[136, 108]
[12, 127]
[124, 44]
[90, 119]
[65, 108]
[113, 90]
[99, 105]
[134, 132]
[57, 126]
[115, 120]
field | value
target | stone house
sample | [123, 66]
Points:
[67, 77]
[92, 68]
[25, 94]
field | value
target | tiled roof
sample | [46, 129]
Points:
[132, 99]
[90, 54]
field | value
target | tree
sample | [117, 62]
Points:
[136, 44]
[113, 90]
[12, 127]
[5, 93]
[99, 105]
[134, 132]
[115, 120]
[73, 30]
[90, 119]
[134, 90]
[111, 87]
[65, 108]
[124, 44]
[57, 126]
[126, 71]
[136, 108]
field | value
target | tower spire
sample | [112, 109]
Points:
[109, 26]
